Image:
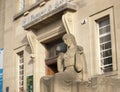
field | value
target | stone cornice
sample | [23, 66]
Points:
[55, 32]
[67, 6]
[33, 6]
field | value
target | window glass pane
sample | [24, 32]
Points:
[21, 77]
[106, 53]
[53, 48]
[104, 29]
[105, 38]
[108, 68]
[21, 60]
[21, 72]
[104, 22]
[21, 66]
[105, 45]
[106, 61]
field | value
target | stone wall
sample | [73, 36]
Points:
[2, 8]
[100, 85]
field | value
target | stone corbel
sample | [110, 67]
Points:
[32, 42]
[67, 20]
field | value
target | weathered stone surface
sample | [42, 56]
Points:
[71, 67]
[72, 76]
[73, 60]
[96, 85]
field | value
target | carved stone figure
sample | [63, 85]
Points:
[71, 66]
[73, 60]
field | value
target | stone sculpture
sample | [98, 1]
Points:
[71, 67]
[73, 60]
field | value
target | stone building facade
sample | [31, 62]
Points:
[34, 28]
[1, 22]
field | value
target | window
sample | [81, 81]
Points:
[7, 89]
[21, 71]
[103, 47]
[104, 41]
[53, 48]
[21, 5]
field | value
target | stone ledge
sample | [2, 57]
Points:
[67, 6]
[33, 6]
[67, 83]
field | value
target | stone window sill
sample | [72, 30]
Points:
[107, 74]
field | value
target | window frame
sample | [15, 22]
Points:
[51, 60]
[23, 75]
[16, 51]
[94, 40]
[99, 43]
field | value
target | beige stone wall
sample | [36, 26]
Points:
[15, 39]
[2, 6]
[84, 34]
[117, 27]
[12, 37]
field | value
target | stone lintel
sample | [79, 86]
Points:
[67, 6]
